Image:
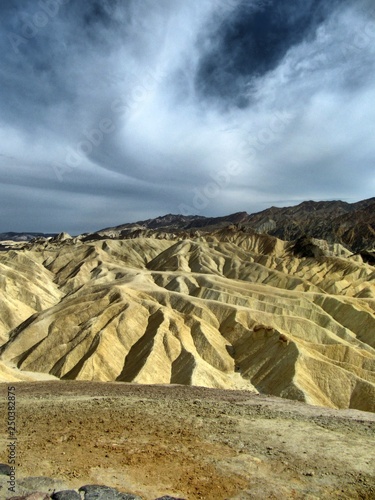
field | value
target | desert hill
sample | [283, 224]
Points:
[227, 309]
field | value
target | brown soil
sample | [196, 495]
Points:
[190, 442]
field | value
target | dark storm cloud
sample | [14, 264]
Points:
[252, 41]
[112, 111]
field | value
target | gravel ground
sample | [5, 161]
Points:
[189, 442]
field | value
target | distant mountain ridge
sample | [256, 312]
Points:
[14, 236]
[351, 224]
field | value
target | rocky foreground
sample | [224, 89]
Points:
[184, 442]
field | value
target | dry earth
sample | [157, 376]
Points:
[195, 443]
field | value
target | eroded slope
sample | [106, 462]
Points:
[227, 310]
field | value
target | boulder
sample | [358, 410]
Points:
[66, 495]
[97, 492]
[5, 470]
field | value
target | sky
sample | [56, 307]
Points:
[114, 111]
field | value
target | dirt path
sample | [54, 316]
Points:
[190, 442]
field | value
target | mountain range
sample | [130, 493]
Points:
[352, 225]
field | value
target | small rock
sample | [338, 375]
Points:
[309, 473]
[97, 492]
[66, 495]
[5, 470]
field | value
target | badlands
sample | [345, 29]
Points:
[101, 334]
[229, 309]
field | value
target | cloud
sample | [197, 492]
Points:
[252, 42]
[117, 111]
